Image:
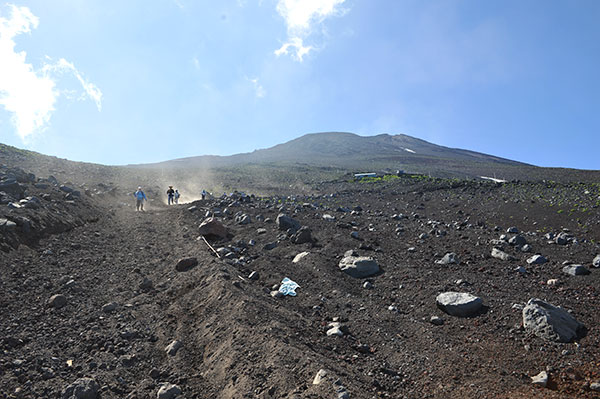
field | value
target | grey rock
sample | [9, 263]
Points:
[359, 266]
[575, 270]
[168, 391]
[145, 284]
[595, 386]
[300, 256]
[57, 301]
[253, 276]
[276, 294]
[541, 379]
[436, 320]
[320, 377]
[109, 307]
[459, 304]
[550, 322]
[596, 261]
[355, 235]
[270, 246]
[537, 260]
[82, 388]
[186, 264]
[7, 225]
[512, 230]
[498, 254]
[302, 236]
[517, 240]
[449, 258]
[213, 227]
[284, 222]
[526, 248]
[173, 347]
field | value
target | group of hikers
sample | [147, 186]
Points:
[172, 197]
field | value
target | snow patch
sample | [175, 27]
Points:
[493, 179]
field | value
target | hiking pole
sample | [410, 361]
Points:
[211, 248]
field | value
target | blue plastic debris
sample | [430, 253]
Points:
[288, 287]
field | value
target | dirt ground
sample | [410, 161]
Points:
[238, 341]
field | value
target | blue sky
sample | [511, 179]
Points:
[120, 82]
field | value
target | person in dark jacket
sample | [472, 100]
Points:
[140, 197]
[170, 194]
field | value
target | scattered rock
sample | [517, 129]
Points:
[57, 301]
[186, 264]
[109, 307]
[541, 379]
[550, 322]
[596, 261]
[575, 270]
[320, 377]
[302, 236]
[498, 254]
[253, 276]
[284, 222]
[300, 256]
[82, 388]
[173, 347]
[517, 240]
[436, 320]
[359, 266]
[459, 304]
[211, 227]
[449, 258]
[537, 260]
[168, 391]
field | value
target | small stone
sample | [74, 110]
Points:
[109, 307]
[186, 264]
[459, 304]
[498, 254]
[436, 320]
[173, 347]
[335, 331]
[253, 276]
[367, 285]
[449, 258]
[595, 386]
[576, 270]
[168, 391]
[320, 377]
[300, 256]
[596, 261]
[277, 294]
[57, 301]
[537, 260]
[541, 379]
[82, 388]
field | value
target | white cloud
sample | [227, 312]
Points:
[301, 17]
[258, 89]
[28, 94]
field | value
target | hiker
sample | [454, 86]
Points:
[140, 198]
[203, 194]
[177, 195]
[170, 194]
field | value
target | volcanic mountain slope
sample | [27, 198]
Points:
[122, 300]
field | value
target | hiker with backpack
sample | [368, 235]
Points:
[170, 195]
[140, 197]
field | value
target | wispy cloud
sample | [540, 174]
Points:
[28, 94]
[301, 18]
[259, 90]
